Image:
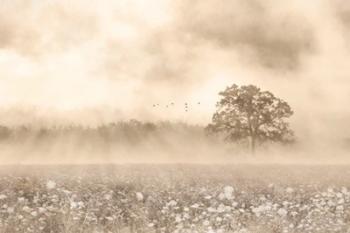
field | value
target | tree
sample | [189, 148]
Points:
[247, 113]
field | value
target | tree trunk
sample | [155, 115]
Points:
[252, 135]
[252, 145]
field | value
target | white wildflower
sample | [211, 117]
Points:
[34, 213]
[221, 196]
[206, 223]
[73, 205]
[172, 203]
[234, 204]
[108, 197]
[26, 209]
[150, 225]
[195, 206]
[81, 204]
[50, 185]
[139, 196]
[211, 231]
[344, 190]
[282, 212]
[330, 203]
[294, 213]
[339, 208]
[228, 191]
[289, 190]
[178, 218]
[221, 208]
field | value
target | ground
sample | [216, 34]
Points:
[175, 198]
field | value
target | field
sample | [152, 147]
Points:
[175, 198]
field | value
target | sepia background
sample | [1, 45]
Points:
[107, 125]
[89, 64]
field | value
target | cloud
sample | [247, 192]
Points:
[130, 54]
[341, 10]
[34, 28]
[276, 41]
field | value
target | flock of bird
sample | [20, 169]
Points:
[172, 104]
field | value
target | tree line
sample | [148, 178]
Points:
[244, 114]
[129, 131]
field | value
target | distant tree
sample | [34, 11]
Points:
[247, 113]
[4, 133]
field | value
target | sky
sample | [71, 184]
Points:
[97, 61]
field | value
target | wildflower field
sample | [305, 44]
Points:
[175, 198]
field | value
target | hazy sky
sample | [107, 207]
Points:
[114, 59]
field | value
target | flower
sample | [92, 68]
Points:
[206, 223]
[50, 185]
[10, 210]
[172, 203]
[195, 206]
[282, 212]
[26, 209]
[139, 196]
[228, 191]
[34, 213]
[289, 190]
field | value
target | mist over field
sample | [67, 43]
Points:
[174, 116]
[93, 63]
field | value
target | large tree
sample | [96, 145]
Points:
[247, 113]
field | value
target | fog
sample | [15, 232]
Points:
[97, 62]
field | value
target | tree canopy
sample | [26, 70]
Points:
[248, 113]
